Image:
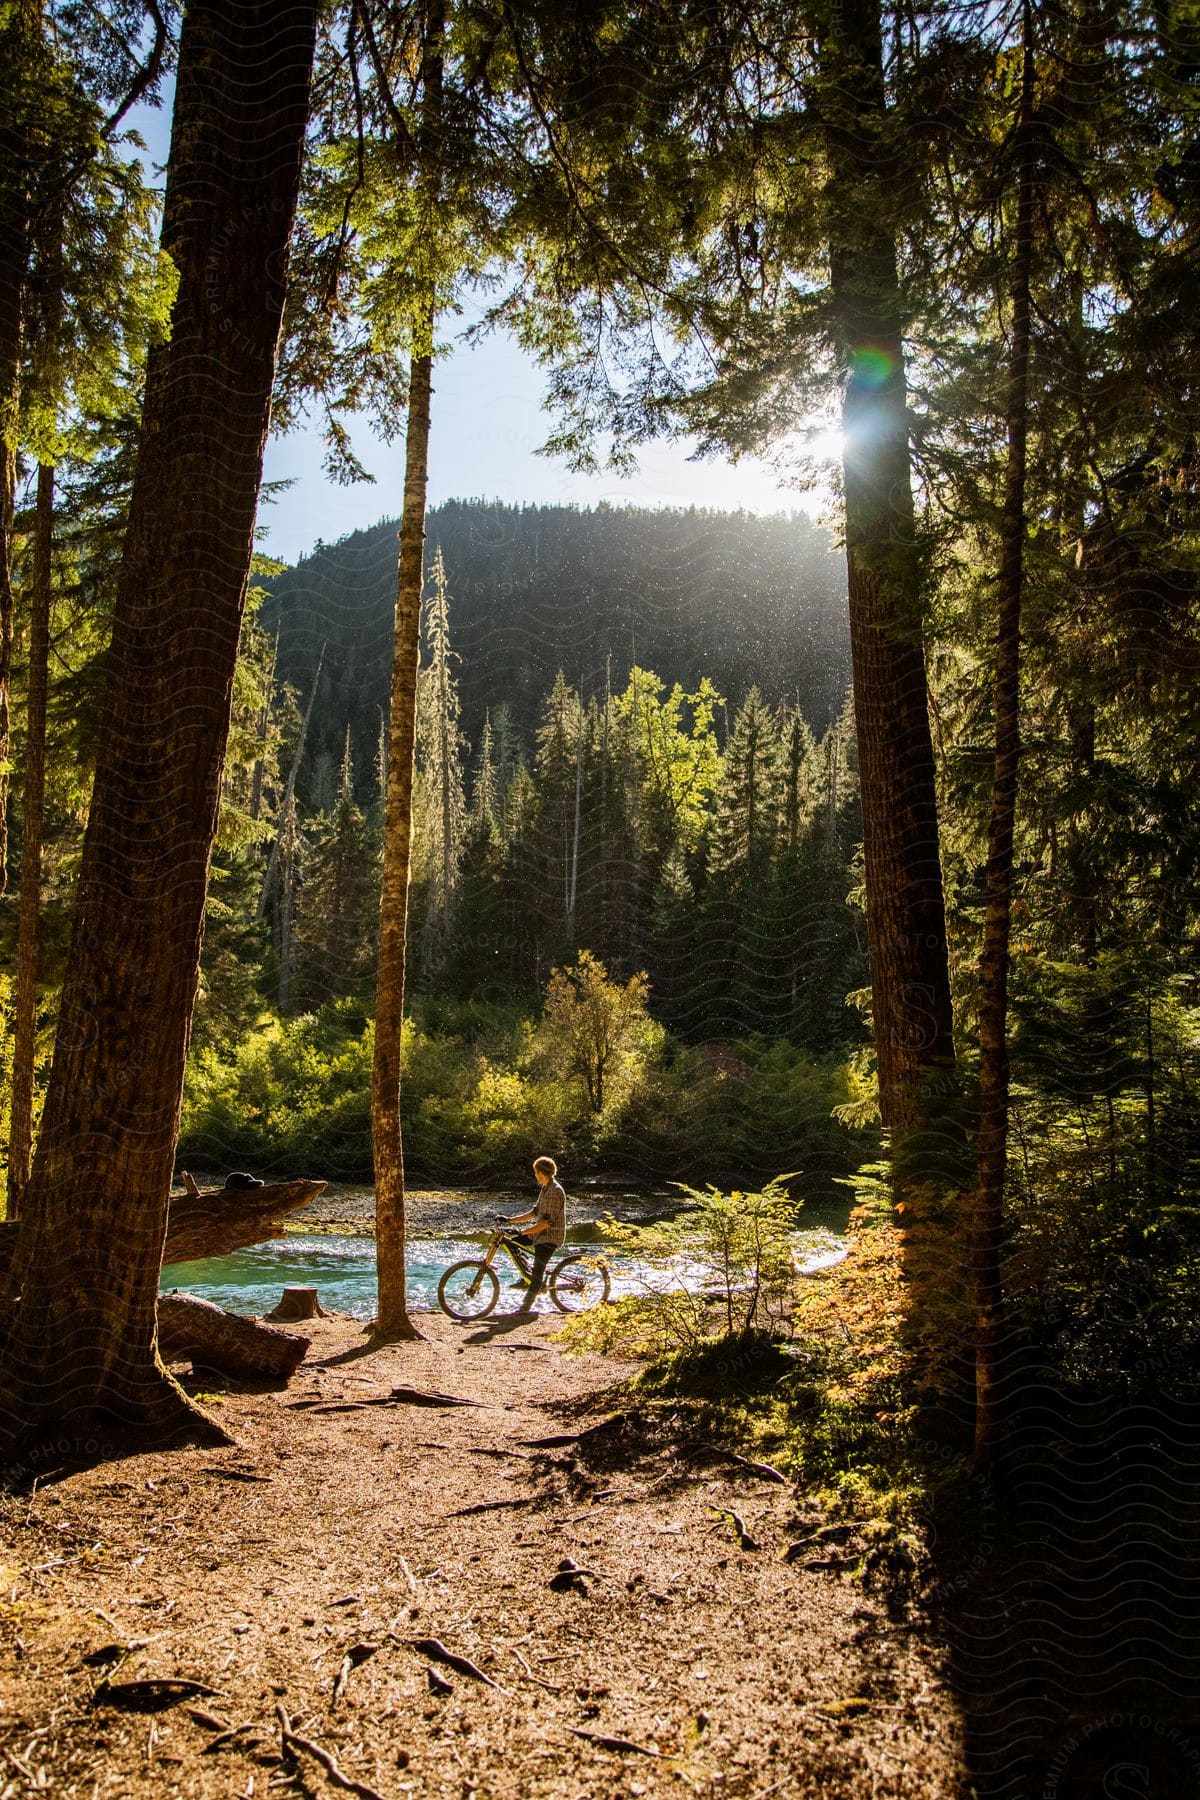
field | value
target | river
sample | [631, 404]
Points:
[331, 1245]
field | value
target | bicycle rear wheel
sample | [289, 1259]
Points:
[468, 1290]
[579, 1282]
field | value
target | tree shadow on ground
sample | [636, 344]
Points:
[487, 1331]
[1068, 1596]
[354, 1354]
[45, 1462]
[1062, 1588]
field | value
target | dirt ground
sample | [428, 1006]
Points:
[304, 1572]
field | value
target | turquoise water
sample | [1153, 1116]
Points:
[342, 1269]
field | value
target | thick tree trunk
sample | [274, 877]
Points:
[20, 1123]
[906, 924]
[197, 1331]
[988, 1223]
[79, 1345]
[392, 1319]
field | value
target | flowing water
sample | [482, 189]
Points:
[338, 1258]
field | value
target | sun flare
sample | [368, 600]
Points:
[802, 470]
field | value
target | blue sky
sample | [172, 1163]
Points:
[488, 421]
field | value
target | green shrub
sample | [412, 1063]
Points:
[480, 1099]
[721, 1271]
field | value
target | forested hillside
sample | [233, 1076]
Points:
[590, 591]
[691, 850]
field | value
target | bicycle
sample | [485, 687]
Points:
[470, 1289]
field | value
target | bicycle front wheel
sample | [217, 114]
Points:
[579, 1282]
[468, 1290]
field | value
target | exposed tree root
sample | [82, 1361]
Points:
[745, 1541]
[435, 1649]
[291, 1741]
[393, 1331]
[483, 1506]
[151, 1695]
[612, 1743]
[399, 1396]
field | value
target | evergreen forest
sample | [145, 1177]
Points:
[660, 829]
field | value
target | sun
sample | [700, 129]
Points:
[801, 474]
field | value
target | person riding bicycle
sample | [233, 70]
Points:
[546, 1226]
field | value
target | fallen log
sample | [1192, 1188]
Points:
[205, 1222]
[199, 1332]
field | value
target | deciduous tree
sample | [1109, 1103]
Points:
[593, 1023]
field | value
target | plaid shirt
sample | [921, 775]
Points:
[552, 1207]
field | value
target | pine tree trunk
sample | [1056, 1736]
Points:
[988, 1220]
[906, 924]
[20, 1129]
[80, 1346]
[835, 748]
[286, 841]
[1081, 727]
[289, 792]
[795, 759]
[446, 751]
[264, 726]
[575, 831]
[392, 1320]
[1081, 708]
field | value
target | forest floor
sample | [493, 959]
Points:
[299, 1577]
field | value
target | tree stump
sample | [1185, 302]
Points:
[197, 1331]
[299, 1303]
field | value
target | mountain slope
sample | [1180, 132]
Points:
[736, 597]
